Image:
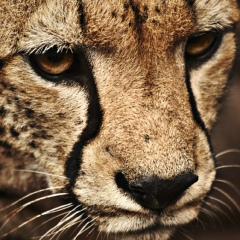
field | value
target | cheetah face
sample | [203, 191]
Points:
[114, 101]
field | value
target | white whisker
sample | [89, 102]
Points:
[228, 197]
[217, 209]
[91, 231]
[39, 172]
[233, 150]
[229, 184]
[185, 234]
[74, 221]
[54, 210]
[85, 227]
[55, 230]
[30, 194]
[49, 220]
[73, 210]
[211, 215]
[68, 225]
[220, 201]
[14, 212]
[227, 166]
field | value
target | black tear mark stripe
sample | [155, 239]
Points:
[196, 114]
[94, 121]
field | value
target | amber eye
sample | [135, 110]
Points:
[54, 63]
[198, 46]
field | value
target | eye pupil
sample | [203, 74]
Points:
[55, 57]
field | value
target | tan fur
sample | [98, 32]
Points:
[148, 127]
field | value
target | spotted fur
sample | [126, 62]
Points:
[138, 109]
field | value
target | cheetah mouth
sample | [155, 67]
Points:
[119, 221]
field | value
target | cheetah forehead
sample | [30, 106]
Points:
[107, 24]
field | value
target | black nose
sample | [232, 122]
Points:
[155, 193]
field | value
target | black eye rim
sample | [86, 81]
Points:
[210, 51]
[76, 71]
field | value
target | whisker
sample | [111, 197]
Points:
[85, 227]
[201, 222]
[227, 166]
[55, 230]
[39, 172]
[98, 235]
[217, 209]
[78, 226]
[229, 184]
[54, 210]
[91, 231]
[228, 197]
[15, 211]
[73, 210]
[30, 194]
[220, 201]
[211, 215]
[69, 225]
[49, 220]
[233, 150]
[183, 232]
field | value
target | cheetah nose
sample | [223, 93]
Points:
[155, 193]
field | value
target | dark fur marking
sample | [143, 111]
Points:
[16, 98]
[32, 144]
[1, 64]
[126, 6]
[41, 134]
[12, 88]
[14, 133]
[7, 148]
[61, 115]
[82, 16]
[114, 14]
[2, 130]
[147, 138]
[190, 2]
[29, 112]
[125, 9]
[157, 10]
[4, 84]
[140, 17]
[5, 144]
[155, 22]
[27, 102]
[2, 111]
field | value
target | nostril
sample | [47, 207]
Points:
[122, 182]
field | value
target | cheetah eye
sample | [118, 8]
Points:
[202, 45]
[53, 62]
